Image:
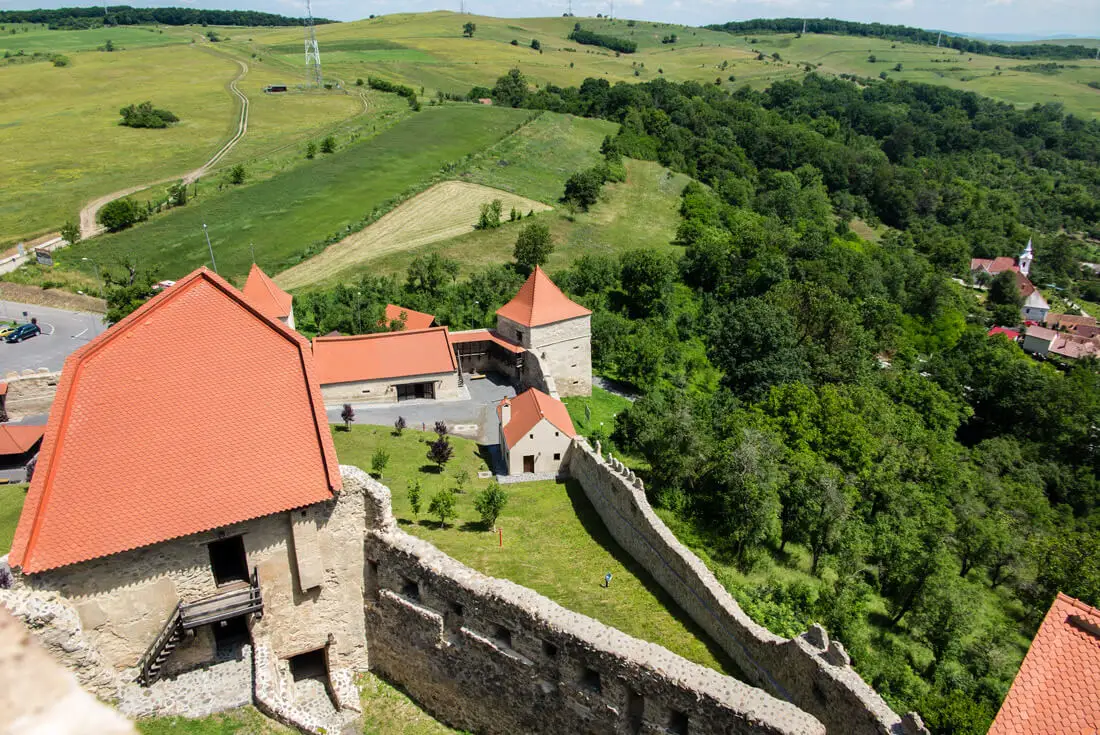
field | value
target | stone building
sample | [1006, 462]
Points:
[535, 432]
[558, 331]
[388, 367]
[188, 497]
[272, 301]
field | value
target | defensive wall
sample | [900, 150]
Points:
[488, 655]
[29, 392]
[809, 671]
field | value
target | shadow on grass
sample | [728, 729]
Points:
[595, 528]
[431, 469]
[475, 527]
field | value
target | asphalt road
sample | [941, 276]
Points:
[62, 333]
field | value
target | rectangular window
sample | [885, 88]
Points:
[228, 560]
[557, 455]
[410, 589]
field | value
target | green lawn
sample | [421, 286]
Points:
[554, 542]
[603, 407]
[282, 216]
[11, 505]
[31, 37]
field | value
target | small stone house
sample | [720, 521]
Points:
[272, 301]
[535, 432]
[388, 367]
[188, 497]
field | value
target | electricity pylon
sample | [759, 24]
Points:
[313, 52]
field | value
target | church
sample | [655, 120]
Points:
[1035, 308]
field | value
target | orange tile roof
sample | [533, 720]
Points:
[531, 407]
[995, 265]
[486, 335]
[540, 302]
[19, 439]
[413, 319]
[268, 298]
[3, 389]
[383, 355]
[1057, 691]
[162, 429]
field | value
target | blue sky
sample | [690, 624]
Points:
[1035, 17]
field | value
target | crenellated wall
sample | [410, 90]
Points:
[488, 655]
[809, 671]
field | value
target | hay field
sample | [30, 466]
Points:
[444, 211]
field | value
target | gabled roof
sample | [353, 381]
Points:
[413, 319]
[528, 409]
[1047, 335]
[1069, 321]
[540, 302]
[995, 265]
[486, 335]
[19, 439]
[383, 355]
[1057, 691]
[161, 429]
[1012, 334]
[268, 298]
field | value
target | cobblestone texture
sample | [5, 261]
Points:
[197, 693]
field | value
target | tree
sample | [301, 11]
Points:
[378, 461]
[311, 149]
[347, 415]
[1005, 299]
[440, 451]
[443, 505]
[872, 58]
[399, 425]
[127, 292]
[647, 278]
[942, 617]
[583, 188]
[468, 29]
[440, 428]
[489, 503]
[511, 89]
[119, 214]
[536, 45]
[744, 491]
[237, 174]
[109, 46]
[756, 346]
[533, 246]
[414, 497]
[328, 145]
[490, 215]
[70, 233]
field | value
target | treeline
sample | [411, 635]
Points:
[588, 38]
[908, 34]
[401, 90]
[124, 15]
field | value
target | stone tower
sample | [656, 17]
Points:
[1024, 261]
[556, 330]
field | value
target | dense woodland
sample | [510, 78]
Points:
[124, 15]
[909, 34]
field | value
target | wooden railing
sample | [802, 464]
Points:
[149, 666]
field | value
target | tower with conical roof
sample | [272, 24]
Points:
[1024, 261]
[553, 328]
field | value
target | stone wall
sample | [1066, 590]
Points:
[385, 390]
[488, 655]
[565, 349]
[808, 671]
[29, 392]
[536, 375]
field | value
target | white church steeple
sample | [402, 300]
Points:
[1024, 261]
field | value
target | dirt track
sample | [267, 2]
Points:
[446, 210]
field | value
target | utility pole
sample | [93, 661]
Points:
[570, 11]
[938, 39]
[313, 52]
[211, 247]
[803, 26]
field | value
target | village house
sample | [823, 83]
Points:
[407, 318]
[1043, 342]
[187, 496]
[269, 299]
[535, 432]
[388, 367]
[1035, 307]
[1057, 690]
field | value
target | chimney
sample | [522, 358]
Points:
[505, 412]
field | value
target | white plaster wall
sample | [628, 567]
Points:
[543, 445]
[1035, 345]
[385, 391]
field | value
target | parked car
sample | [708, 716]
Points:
[7, 329]
[22, 332]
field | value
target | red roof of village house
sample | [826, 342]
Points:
[162, 429]
[486, 335]
[413, 319]
[540, 302]
[1010, 333]
[271, 300]
[531, 407]
[1057, 691]
[995, 265]
[19, 439]
[383, 355]
[3, 389]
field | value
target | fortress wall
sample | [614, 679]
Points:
[809, 671]
[29, 392]
[490, 656]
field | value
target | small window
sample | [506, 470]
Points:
[557, 433]
[503, 636]
[549, 649]
[532, 436]
[678, 723]
[557, 455]
[411, 590]
[457, 609]
[372, 579]
[590, 680]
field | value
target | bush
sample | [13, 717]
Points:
[414, 497]
[60, 60]
[119, 214]
[536, 45]
[70, 233]
[588, 38]
[490, 215]
[489, 503]
[583, 188]
[533, 246]
[443, 505]
[146, 116]
[237, 174]
[328, 145]
[440, 451]
[311, 149]
[399, 425]
[378, 461]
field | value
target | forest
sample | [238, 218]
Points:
[124, 15]
[908, 34]
[825, 414]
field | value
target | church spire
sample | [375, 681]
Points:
[1024, 261]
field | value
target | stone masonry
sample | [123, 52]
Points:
[29, 392]
[563, 348]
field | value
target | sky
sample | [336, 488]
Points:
[1026, 17]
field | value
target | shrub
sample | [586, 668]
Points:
[440, 428]
[443, 505]
[414, 497]
[399, 425]
[311, 149]
[347, 416]
[237, 174]
[489, 503]
[440, 452]
[536, 45]
[328, 145]
[588, 38]
[378, 461]
[70, 233]
[119, 214]
[146, 116]
[490, 215]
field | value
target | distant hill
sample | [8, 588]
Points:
[909, 34]
[124, 15]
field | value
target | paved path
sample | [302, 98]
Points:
[62, 333]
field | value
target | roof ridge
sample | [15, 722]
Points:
[372, 335]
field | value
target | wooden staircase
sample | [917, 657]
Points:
[244, 600]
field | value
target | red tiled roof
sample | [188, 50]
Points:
[1047, 335]
[995, 265]
[1010, 333]
[3, 389]
[540, 302]
[531, 407]
[486, 335]
[19, 439]
[161, 429]
[383, 355]
[1069, 321]
[1057, 691]
[1026, 287]
[1074, 346]
[268, 298]
[413, 319]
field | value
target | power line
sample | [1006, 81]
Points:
[313, 52]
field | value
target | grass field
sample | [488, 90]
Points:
[444, 211]
[11, 505]
[32, 37]
[284, 215]
[554, 542]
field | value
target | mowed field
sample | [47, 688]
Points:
[444, 211]
[292, 215]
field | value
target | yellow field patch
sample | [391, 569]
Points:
[442, 212]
